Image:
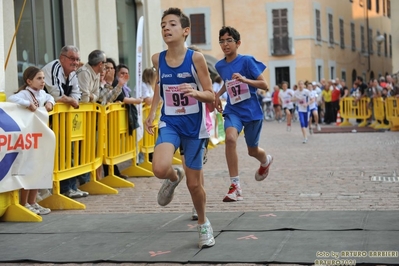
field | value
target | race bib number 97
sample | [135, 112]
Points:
[237, 91]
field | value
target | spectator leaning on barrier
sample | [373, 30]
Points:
[89, 76]
[32, 96]
[62, 83]
[122, 77]
[89, 84]
[61, 79]
[108, 94]
[108, 90]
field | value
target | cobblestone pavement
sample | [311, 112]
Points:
[330, 172]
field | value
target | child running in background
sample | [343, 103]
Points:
[288, 106]
[184, 87]
[303, 100]
[32, 96]
[243, 76]
[313, 109]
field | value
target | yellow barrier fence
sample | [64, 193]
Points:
[119, 145]
[379, 114]
[86, 138]
[146, 147]
[351, 109]
[78, 151]
[392, 112]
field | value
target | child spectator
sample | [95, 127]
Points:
[32, 96]
[147, 87]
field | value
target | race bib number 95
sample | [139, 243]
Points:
[178, 104]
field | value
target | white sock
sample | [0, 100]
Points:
[235, 180]
[266, 163]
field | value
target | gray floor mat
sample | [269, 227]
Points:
[279, 237]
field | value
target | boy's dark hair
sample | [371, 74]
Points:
[360, 78]
[184, 20]
[284, 82]
[230, 31]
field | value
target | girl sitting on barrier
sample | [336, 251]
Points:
[32, 96]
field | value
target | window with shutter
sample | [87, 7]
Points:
[318, 25]
[383, 7]
[197, 28]
[330, 28]
[370, 42]
[341, 33]
[385, 45]
[353, 37]
[362, 40]
[281, 42]
[378, 45]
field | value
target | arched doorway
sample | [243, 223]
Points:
[371, 75]
[354, 75]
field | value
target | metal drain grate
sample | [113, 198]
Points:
[385, 178]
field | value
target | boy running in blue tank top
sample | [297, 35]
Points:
[242, 75]
[184, 87]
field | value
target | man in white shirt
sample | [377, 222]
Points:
[61, 79]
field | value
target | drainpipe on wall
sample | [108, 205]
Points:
[368, 37]
[223, 16]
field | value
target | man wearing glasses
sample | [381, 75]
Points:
[61, 79]
[89, 76]
[62, 83]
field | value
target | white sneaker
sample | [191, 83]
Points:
[40, 209]
[234, 194]
[305, 140]
[263, 172]
[73, 194]
[205, 232]
[84, 193]
[166, 192]
[194, 215]
[288, 128]
[31, 208]
[318, 127]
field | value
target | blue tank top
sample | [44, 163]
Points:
[184, 114]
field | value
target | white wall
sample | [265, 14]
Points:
[8, 27]
[2, 58]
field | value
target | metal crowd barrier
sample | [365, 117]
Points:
[392, 112]
[351, 109]
[87, 138]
